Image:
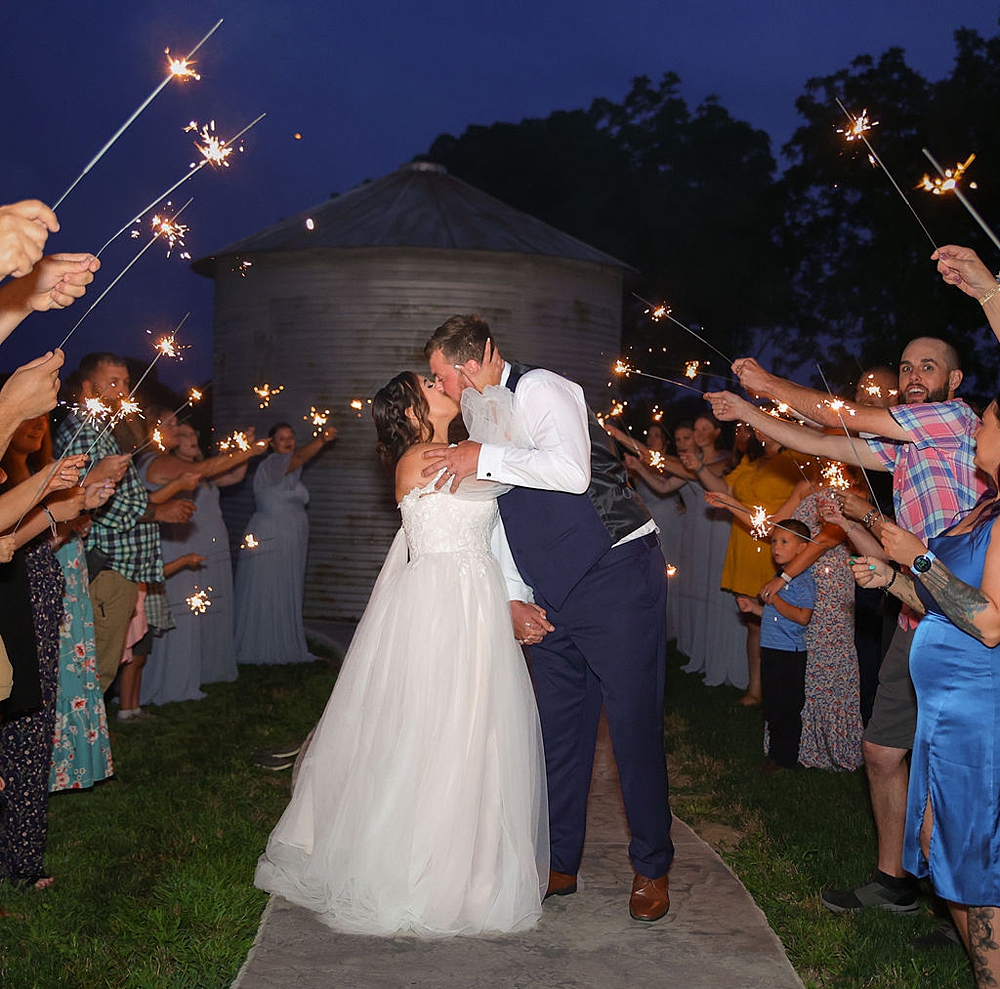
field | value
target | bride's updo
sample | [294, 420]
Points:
[396, 432]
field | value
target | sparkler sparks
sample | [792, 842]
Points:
[194, 396]
[180, 67]
[671, 570]
[860, 125]
[357, 406]
[250, 541]
[266, 392]
[760, 522]
[960, 196]
[213, 149]
[656, 313]
[691, 369]
[157, 438]
[236, 441]
[947, 182]
[317, 418]
[200, 602]
[834, 477]
[171, 231]
[657, 460]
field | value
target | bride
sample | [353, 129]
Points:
[420, 805]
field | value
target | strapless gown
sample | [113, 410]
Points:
[420, 804]
[956, 752]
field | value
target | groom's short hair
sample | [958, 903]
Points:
[461, 338]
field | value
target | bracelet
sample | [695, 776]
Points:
[989, 295]
[52, 520]
[785, 577]
[869, 520]
[850, 528]
[892, 580]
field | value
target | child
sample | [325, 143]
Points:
[782, 645]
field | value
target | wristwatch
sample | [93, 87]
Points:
[923, 562]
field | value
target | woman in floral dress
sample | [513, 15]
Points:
[81, 755]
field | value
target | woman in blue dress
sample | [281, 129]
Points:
[270, 584]
[953, 806]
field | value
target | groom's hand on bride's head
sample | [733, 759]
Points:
[482, 374]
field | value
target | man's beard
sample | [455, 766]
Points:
[939, 395]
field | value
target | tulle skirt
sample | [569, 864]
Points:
[420, 805]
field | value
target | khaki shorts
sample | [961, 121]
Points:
[894, 715]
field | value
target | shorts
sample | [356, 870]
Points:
[894, 714]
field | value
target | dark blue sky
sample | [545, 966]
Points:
[367, 86]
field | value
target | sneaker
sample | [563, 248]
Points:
[945, 935]
[901, 897]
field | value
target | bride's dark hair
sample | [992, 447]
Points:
[396, 432]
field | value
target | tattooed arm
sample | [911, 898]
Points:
[873, 571]
[975, 610]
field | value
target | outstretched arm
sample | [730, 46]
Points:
[816, 405]
[56, 282]
[731, 408]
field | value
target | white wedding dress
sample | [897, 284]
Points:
[420, 805]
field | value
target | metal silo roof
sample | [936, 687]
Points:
[419, 205]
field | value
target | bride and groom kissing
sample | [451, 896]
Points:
[436, 797]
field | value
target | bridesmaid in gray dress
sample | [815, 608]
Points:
[269, 585]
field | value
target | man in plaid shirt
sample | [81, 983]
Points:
[927, 442]
[123, 545]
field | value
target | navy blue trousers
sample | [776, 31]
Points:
[608, 647]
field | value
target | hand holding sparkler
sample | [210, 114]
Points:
[8, 544]
[56, 282]
[97, 494]
[66, 504]
[753, 378]
[24, 229]
[962, 267]
[110, 469]
[31, 391]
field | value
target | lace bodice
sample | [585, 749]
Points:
[439, 522]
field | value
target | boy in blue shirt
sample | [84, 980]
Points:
[783, 647]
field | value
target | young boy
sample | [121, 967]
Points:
[782, 646]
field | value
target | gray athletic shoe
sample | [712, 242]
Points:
[874, 893]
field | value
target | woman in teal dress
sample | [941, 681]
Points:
[953, 806]
[81, 753]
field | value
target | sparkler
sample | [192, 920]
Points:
[172, 231]
[199, 602]
[671, 570]
[266, 392]
[165, 347]
[960, 196]
[214, 149]
[947, 181]
[856, 132]
[178, 69]
[691, 369]
[118, 277]
[657, 460]
[357, 406]
[235, 441]
[317, 418]
[662, 311]
[157, 438]
[847, 433]
[834, 477]
[192, 171]
[250, 541]
[621, 367]
[89, 414]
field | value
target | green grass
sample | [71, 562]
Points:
[789, 835]
[154, 869]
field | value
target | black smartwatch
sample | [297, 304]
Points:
[923, 562]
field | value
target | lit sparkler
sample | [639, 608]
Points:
[170, 230]
[250, 541]
[760, 522]
[266, 392]
[200, 602]
[941, 184]
[626, 369]
[834, 477]
[119, 276]
[158, 440]
[691, 369]
[173, 73]
[181, 67]
[657, 460]
[317, 418]
[671, 570]
[857, 132]
[190, 173]
[662, 311]
[960, 196]
[213, 149]
[235, 441]
[357, 406]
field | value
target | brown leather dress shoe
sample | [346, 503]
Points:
[650, 898]
[560, 884]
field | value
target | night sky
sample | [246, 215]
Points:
[367, 86]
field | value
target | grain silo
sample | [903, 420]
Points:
[332, 302]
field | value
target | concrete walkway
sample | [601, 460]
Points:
[714, 936]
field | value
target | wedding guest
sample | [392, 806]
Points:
[269, 587]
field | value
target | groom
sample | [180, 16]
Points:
[587, 547]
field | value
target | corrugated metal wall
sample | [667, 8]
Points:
[334, 325]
